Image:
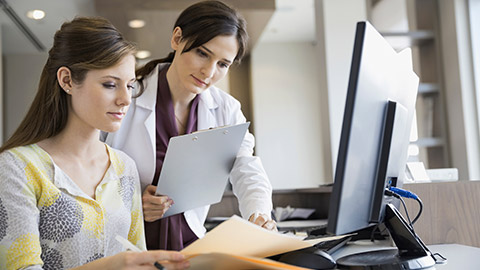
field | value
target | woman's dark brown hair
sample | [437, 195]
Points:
[83, 44]
[200, 23]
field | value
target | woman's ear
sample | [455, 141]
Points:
[176, 38]
[64, 77]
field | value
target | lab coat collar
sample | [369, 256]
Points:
[207, 106]
[207, 99]
[149, 97]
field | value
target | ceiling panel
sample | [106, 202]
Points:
[56, 11]
[293, 20]
[160, 16]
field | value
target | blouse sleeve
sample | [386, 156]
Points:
[19, 216]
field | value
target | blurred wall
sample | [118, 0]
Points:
[285, 100]
[22, 74]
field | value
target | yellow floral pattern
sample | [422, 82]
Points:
[23, 252]
[47, 220]
[135, 232]
[93, 221]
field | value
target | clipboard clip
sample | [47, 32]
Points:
[210, 128]
[225, 132]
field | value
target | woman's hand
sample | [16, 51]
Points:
[263, 221]
[171, 260]
[147, 259]
[154, 207]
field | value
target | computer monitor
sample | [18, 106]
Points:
[372, 154]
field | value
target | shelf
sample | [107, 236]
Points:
[428, 88]
[429, 142]
[419, 35]
[402, 40]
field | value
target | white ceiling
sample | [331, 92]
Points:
[57, 12]
[268, 20]
[293, 21]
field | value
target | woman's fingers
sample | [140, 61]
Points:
[157, 203]
[270, 225]
[154, 207]
[168, 259]
[150, 197]
[155, 213]
[264, 221]
[151, 189]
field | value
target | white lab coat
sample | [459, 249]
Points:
[136, 137]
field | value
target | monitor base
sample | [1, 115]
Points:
[384, 259]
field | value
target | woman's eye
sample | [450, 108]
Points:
[108, 85]
[223, 65]
[201, 53]
[130, 87]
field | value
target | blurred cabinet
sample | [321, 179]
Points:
[450, 214]
[421, 33]
[431, 115]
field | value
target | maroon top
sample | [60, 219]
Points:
[173, 232]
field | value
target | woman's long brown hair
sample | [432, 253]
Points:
[83, 44]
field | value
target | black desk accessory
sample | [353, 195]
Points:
[311, 257]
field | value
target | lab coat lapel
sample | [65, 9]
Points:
[147, 102]
[206, 111]
[149, 97]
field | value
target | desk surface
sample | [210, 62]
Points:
[458, 256]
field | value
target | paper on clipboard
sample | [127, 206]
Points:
[197, 166]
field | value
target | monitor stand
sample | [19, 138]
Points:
[411, 252]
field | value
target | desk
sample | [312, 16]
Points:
[459, 256]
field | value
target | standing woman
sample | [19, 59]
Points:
[177, 96]
[65, 195]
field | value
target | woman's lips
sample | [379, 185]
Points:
[117, 115]
[200, 82]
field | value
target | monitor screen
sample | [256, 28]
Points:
[378, 74]
[373, 150]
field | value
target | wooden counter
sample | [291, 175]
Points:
[451, 211]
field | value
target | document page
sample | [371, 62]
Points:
[240, 237]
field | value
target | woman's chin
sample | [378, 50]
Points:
[111, 128]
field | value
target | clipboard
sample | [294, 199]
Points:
[197, 166]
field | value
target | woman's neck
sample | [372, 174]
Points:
[80, 154]
[181, 97]
[78, 142]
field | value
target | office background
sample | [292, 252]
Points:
[293, 82]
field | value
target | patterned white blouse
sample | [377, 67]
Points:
[48, 222]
